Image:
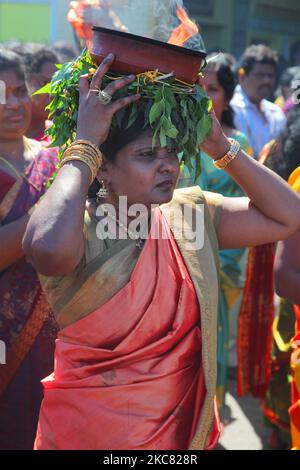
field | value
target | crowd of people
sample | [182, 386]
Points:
[137, 384]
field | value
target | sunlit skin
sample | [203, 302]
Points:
[259, 83]
[145, 175]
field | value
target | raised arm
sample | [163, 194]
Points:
[54, 240]
[270, 213]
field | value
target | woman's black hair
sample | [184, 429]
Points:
[118, 139]
[34, 62]
[10, 60]
[223, 67]
[288, 158]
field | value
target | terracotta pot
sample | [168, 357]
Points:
[136, 54]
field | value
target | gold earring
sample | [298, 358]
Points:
[103, 192]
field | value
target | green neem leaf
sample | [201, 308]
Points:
[198, 168]
[154, 138]
[132, 116]
[163, 138]
[179, 117]
[170, 97]
[165, 123]
[155, 112]
[44, 90]
[172, 132]
[203, 128]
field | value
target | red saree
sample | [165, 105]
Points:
[129, 375]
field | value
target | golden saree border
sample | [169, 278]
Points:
[203, 268]
[9, 199]
[77, 296]
[24, 341]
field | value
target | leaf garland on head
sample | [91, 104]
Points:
[177, 112]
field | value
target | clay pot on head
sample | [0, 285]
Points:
[136, 54]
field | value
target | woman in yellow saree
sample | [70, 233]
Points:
[136, 355]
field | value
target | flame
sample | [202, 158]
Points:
[186, 30]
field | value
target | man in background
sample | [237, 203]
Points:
[260, 119]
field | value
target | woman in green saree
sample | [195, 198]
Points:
[136, 355]
[219, 84]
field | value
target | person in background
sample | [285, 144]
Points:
[23, 48]
[219, 83]
[281, 156]
[27, 325]
[287, 277]
[259, 119]
[65, 51]
[40, 68]
[285, 100]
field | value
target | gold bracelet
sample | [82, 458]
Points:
[79, 153]
[86, 152]
[223, 162]
[87, 161]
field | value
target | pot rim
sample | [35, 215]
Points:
[152, 42]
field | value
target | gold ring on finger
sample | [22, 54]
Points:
[104, 97]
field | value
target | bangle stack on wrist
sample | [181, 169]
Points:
[223, 162]
[85, 152]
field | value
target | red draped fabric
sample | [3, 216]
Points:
[255, 323]
[129, 375]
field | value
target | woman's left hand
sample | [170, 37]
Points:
[216, 144]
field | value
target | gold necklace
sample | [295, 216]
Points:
[22, 175]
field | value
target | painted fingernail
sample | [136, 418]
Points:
[110, 56]
[130, 77]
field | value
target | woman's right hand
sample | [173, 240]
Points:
[94, 117]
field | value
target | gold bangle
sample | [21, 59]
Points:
[223, 162]
[86, 146]
[86, 142]
[87, 161]
[93, 160]
[86, 152]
